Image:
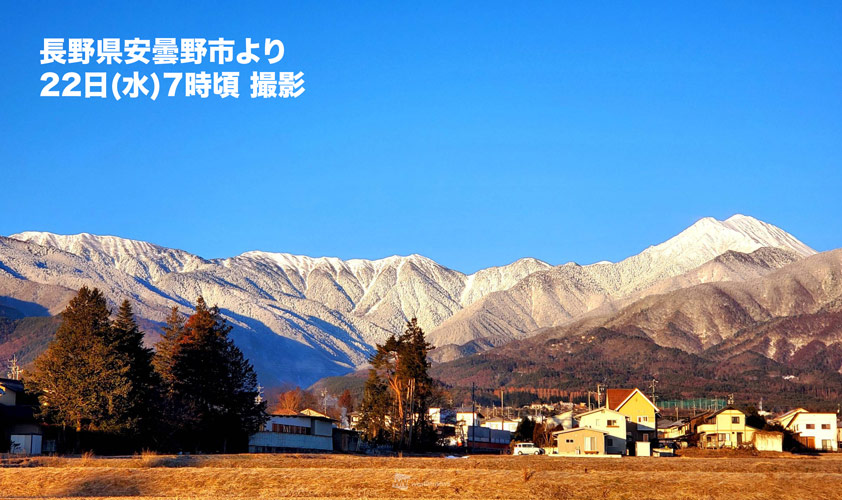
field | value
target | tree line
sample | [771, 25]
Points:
[102, 387]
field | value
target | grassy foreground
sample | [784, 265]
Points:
[342, 476]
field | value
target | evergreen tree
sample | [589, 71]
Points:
[166, 348]
[525, 430]
[82, 379]
[376, 410]
[400, 370]
[127, 339]
[214, 387]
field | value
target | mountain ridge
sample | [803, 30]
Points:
[300, 318]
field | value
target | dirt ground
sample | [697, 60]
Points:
[344, 476]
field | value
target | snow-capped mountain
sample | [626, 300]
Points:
[555, 296]
[300, 318]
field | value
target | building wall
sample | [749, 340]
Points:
[573, 442]
[729, 429]
[768, 441]
[638, 406]
[508, 425]
[616, 434]
[263, 442]
[7, 398]
[822, 439]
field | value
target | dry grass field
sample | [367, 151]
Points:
[342, 476]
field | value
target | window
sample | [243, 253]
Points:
[643, 419]
[590, 443]
[290, 429]
[826, 427]
[826, 445]
[612, 423]
[811, 426]
[568, 440]
[735, 420]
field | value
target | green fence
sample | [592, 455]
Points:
[698, 404]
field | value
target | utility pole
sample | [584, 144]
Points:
[652, 385]
[15, 371]
[599, 388]
[502, 406]
[473, 416]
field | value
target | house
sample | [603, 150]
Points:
[442, 416]
[465, 419]
[468, 417]
[288, 430]
[725, 428]
[670, 430]
[637, 408]
[18, 426]
[817, 431]
[581, 441]
[612, 423]
[501, 424]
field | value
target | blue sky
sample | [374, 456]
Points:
[473, 134]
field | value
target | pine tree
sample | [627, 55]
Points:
[82, 379]
[213, 386]
[401, 366]
[166, 348]
[127, 339]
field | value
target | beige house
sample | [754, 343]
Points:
[725, 428]
[610, 422]
[581, 441]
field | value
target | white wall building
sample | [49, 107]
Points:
[289, 431]
[501, 424]
[612, 423]
[816, 431]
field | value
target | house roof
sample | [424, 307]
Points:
[307, 412]
[578, 429]
[616, 398]
[313, 413]
[788, 414]
[8, 384]
[599, 410]
[283, 412]
[809, 413]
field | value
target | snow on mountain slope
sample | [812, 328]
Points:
[300, 318]
[555, 296]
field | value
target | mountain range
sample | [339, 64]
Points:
[300, 318]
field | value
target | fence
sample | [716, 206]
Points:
[697, 404]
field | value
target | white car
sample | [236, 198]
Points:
[527, 449]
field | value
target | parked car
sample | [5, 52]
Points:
[527, 449]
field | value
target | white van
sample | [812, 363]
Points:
[527, 449]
